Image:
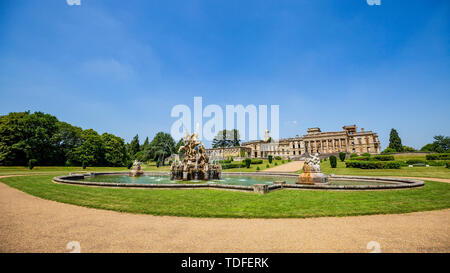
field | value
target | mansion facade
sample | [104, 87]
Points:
[349, 140]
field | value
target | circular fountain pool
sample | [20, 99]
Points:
[236, 181]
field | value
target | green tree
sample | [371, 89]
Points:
[227, 138]
[91, 151]
[162, 146]
[395, 142]
[441, 144]
[408, 149]
[270, 159]
[115, 151]
[145, 145]
[68, 138]
[179, 144]
[10, 134]
[134, 146]
[428, 148]
[31, 139]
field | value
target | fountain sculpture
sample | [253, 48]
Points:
[195, 165]
[136, 171]
[311, 171]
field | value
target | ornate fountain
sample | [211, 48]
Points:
[195, 165]
[136, 171]
[311, 171]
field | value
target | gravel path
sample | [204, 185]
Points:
[287, 167]
[31, 224]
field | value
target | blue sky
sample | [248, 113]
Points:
[120, 66]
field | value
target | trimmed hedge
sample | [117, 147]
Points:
[361, 158]
[233, 165]
[415, 161]
[373, 164]
[278, 157]
[438, 156]
[384, 157]
[257, 161]
[226, 161]
[437, 162]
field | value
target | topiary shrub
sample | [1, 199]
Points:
[447, 165]
[270, 159]
[276, 164]
[31, 163]
[333, 161]
[258, 169]
[353, 155]
[278, 157]
[342, 156]
[267, 166]
[247, 162]
[84, 165]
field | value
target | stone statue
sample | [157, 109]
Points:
[136, 171]
[312, 173]
[195, 165]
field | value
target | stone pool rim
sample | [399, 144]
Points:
[395, 183]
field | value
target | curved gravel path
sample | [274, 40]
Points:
[31, 224]
[293, 166]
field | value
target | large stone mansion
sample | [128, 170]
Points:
[349, 141]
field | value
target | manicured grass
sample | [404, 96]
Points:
[66, 170]
[219, 203]
[438, 172]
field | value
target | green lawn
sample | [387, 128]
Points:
[220, 203]
[438, 172]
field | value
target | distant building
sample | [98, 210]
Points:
[349, 141]
[227, 152]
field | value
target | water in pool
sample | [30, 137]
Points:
[230, 180]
